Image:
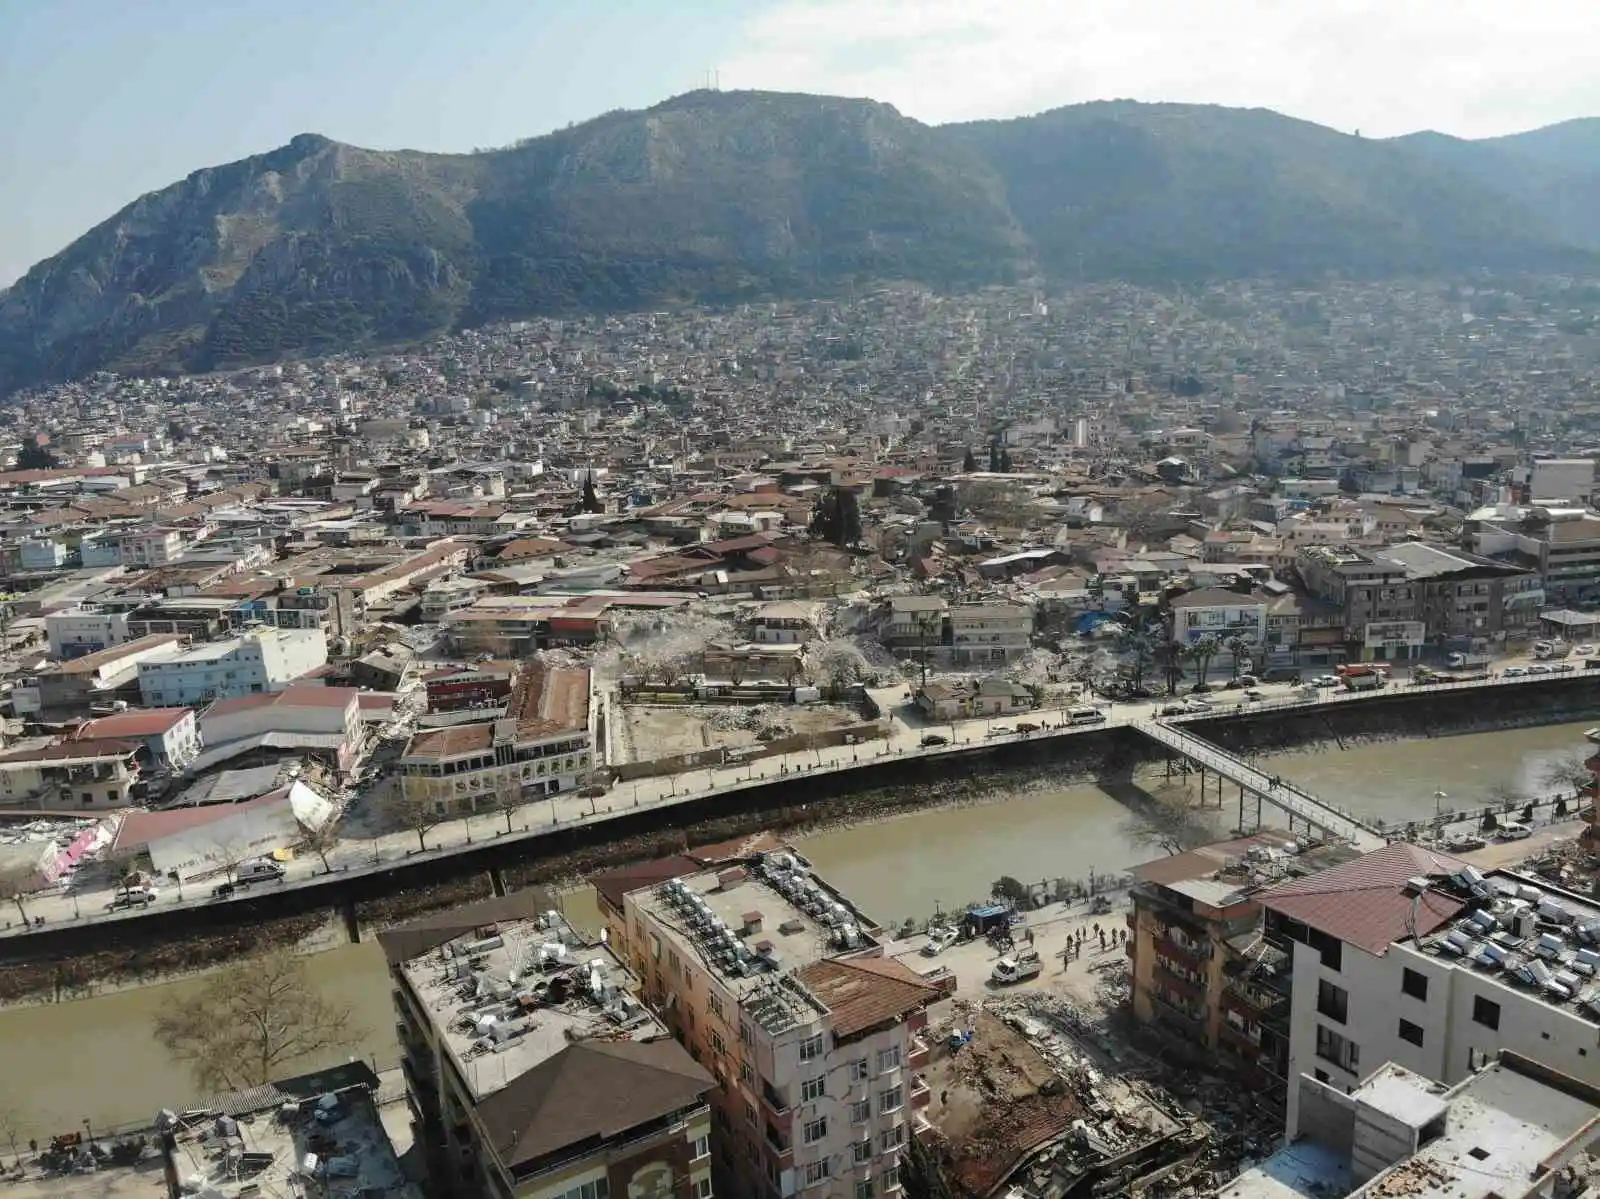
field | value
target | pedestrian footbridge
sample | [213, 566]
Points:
[1302, 809]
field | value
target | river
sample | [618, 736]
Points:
[95, 1058]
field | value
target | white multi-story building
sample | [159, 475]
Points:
[981, 633]
[1411, 956]
[151, 547]
[89, 629]
[257, 661]
[780, 989]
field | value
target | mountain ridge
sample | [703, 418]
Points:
[720, 197]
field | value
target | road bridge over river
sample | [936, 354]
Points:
[1300, 807]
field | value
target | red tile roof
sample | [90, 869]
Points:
[549, 700]
[144, 722]
[289, 697]
[863, 993]
[1364, 902]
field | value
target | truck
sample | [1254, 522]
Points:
[1364, 677]
[1469, 661]
[1016, 968]
[1547, 650]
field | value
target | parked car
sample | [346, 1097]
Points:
[1465, 844]
[1584, 651]
[1197, 705]
[1027, 726]
[222, 890]
[1326, 680]
[1512, 830]
[930, 739]
[1537, 668]
[134, 897]
[1514, 672]
[1173, 709]
[1253, 695]
[1563, 668]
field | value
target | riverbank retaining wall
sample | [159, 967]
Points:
[60, 959]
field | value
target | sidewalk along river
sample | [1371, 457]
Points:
[96, 1058]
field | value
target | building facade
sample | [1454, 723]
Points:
[257, 661]
[532, 1070]
[990, 633]
[774, 984]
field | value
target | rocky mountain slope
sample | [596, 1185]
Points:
[719, 197]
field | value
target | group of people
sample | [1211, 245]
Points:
[1109, 939]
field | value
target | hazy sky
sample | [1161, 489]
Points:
[102, 100]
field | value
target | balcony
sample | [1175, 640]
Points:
[1186, 987]
[917, 1053]
[920, 1092]
[782, 1149]
[1190, 1022]
[1187, 952]
[775, 1108]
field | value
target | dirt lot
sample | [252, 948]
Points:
[667, 730]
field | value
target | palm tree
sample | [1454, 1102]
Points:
[1169, 655]
[1201, 653]
[1240, 649]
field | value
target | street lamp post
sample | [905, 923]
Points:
[1437, 814]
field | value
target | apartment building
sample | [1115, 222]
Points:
[1376, 595]
[990, 633]
[84, 630]
[1561, 544]
[169, 737]
[257, 661]
[778, 986]
[1200, 970]
[541, 746]
[915, 621]
[531, 1068]
[1464, 597]
[1220, 613]
[1514, 1127]
[77, 776]
[1411, 956]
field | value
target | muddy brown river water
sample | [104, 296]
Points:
[95, 1059]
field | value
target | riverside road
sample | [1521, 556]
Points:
[400, 851]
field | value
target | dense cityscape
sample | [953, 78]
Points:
[535, 651]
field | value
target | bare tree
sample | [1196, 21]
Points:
[11, 1129]
[251, 1021]
[16, 882]
[1505, 796]
[1568, 774]
[505, 798]
[228, 853]
[1166, 822]
[415, 805]
[322, 840]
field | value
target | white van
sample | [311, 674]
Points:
[262, 870]
[1085, 715]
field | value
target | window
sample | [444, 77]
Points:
[861, 1151]
[861, 1111]
[749, 1112]
[893, 1138]
[1410, 1033]
[858, 1069]
[811, 1048]
[702, 1188]
[889, 1059]
[1332, 1002]
[889, 1180]
[717, 1043]
[813, 1089]
[1414, 985]
[1485, 1012]
[598, 1189]
[747, 1075]
[864, 1188]
[1334, 1048]
[891, 1100]
[1321, 1075]
[816, 1172]
[716, 1005]
[699, 1147]
[816, 1130]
